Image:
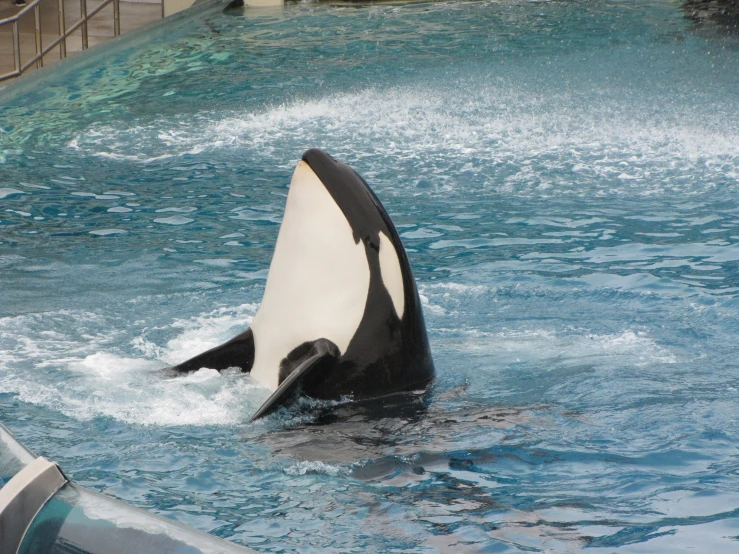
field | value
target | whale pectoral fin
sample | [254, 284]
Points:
[238, 352]
[322, 357]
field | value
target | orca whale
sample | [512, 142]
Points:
[341, 315]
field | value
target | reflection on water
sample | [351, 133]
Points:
[395, 428]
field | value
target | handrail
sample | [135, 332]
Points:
[64, 32]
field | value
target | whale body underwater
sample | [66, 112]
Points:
[341, 315]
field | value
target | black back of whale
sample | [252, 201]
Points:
[387, 354]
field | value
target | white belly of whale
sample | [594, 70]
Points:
[318, 280]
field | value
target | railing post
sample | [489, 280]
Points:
[37, 31]
[16, 47]
[62, 30]
[116, 18]
[83, 13]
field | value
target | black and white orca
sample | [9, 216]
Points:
[341, 315]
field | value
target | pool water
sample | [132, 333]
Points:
[564, 177]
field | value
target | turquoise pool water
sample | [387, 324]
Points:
[564, 176]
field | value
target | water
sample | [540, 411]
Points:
[563, 176]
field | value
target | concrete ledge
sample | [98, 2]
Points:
[22, 497]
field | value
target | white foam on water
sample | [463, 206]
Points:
[322, 468]
[450, 304]
[472, 127]
[564, 348]
[201, 375]
[206, 331]
[70, 362]
[108, 366]
[443, 299]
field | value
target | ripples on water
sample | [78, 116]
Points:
[564, 178]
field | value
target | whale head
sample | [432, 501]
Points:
[340, 313]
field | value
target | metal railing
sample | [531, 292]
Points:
[64, 32]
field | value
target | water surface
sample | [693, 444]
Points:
[564, 177]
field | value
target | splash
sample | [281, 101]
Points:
[50, 363]
[525, 142]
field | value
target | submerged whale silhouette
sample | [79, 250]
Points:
[341, 315]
